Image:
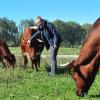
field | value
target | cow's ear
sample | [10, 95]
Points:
[70, 67]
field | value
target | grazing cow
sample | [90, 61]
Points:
[33, 51]
[6, 57]
[87, 64]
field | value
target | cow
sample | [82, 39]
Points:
[6, 57]
[86, 65]
[32, 51]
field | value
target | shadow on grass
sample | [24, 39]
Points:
[95, 96]
[59, 70]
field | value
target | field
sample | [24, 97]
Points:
[27, 84]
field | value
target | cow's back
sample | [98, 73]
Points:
[90, 46]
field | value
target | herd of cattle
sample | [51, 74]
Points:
[85, 67]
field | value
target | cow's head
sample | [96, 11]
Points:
[37, 50]
[9, 60]
[84, 77]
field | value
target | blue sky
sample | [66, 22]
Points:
[80, 11]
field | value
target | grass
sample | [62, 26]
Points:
[62, 51]
[27, 84]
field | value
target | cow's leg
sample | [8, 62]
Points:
[34, 64]
[38, 63]
[25, 60]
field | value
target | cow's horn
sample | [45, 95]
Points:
[34, 27]
[39, 40]
[63, 65]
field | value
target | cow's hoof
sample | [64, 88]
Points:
[81, 94]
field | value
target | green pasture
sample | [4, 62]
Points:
[27, 84]
[62, 51]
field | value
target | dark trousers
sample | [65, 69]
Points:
[53, 58]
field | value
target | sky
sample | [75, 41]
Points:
[80, 11]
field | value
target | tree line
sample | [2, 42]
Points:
[73, 34]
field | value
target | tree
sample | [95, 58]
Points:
[24, 24]
[87, 27]
[61, 28]
[8, 30]
[71, 32]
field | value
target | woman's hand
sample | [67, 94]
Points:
[28, 42]
[55, 46]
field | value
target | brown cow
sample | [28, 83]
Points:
[6, 57]
[33, 51]
[87, 64]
